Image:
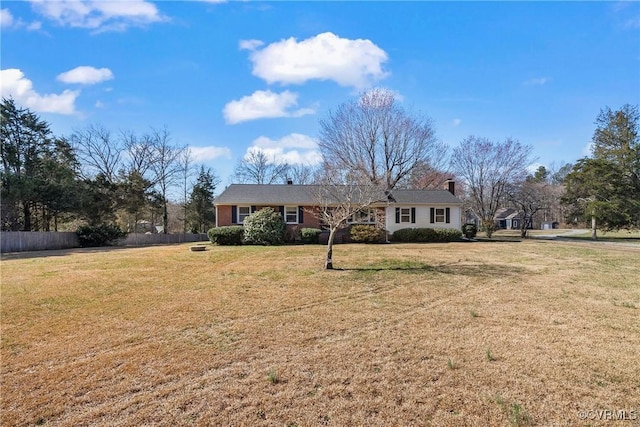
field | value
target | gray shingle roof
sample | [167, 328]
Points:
[304, 195]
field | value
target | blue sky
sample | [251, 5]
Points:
[226, 76]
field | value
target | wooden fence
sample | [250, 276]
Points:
[22, 241]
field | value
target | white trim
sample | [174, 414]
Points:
[297, 210]
[238, 221]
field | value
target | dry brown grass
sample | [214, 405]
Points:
[263, 336]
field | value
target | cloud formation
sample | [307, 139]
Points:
[203, 154]
[294, 149]
[264, 104]
[86, 75]
[6, 18]
[99, 15]
[350, 63]
[13, 83]
[7, 21]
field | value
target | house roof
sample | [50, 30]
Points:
[506, 213]
[304, 195]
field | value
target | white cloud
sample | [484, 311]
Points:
[86, 75]
[294, 149]
[7, 21]
[13, 83]
[202, 154]
[536, 81]
[456, 122]
[250, 44]
[264, 104]
[99, 15]
[356, 63]
[6, 18]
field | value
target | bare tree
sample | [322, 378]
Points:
[166, 167]
[339, 200]
[185, 161]
[140, 152]
[375, 137]
[529, 197]
[302, 174]
[257, 168]
[487, 168]
[98, 152]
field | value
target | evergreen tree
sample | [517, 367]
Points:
[201, 212]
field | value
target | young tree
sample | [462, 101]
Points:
[488, 168]
[375, 137]
[257, 168]
[201, 212]
[339, 200]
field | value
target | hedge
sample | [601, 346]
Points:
[226, 236]
[361, 233]
[99, 235]
[427, 235]
[310, 235]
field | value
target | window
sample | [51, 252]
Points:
[439, 215]
[291, 214]
[243, 212]
[405, 214]
[363, 217]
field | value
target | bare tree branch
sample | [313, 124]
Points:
[375, 137]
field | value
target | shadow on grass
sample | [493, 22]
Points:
[62, 252]
[417, 267]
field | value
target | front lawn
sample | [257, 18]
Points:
[505, 333]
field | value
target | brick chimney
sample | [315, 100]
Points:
[451, 186]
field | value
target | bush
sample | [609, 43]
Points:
[265, 227]
[423, 235]
[99, 235]
[469, 231]
[489, 227]
[226, 236]
[366, 234]
[310, 235]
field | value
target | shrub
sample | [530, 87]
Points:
[489, 227]
[99, 235]
[265, 227]
[361, 233]
[421, 235]
[469, 231]
[226, 236]
[310, 235]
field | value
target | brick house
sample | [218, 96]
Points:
[298, 206]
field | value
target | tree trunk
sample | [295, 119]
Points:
[594, 235]
[328, 265]
[27, 216]
[165, 217]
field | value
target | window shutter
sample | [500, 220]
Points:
[447, 213]
[413, 215]
[432, 215]
[253, 209]
[300, 214]
[234, 214]
[397, 215]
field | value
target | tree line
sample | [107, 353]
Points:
[372, 140]
[95, 177]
